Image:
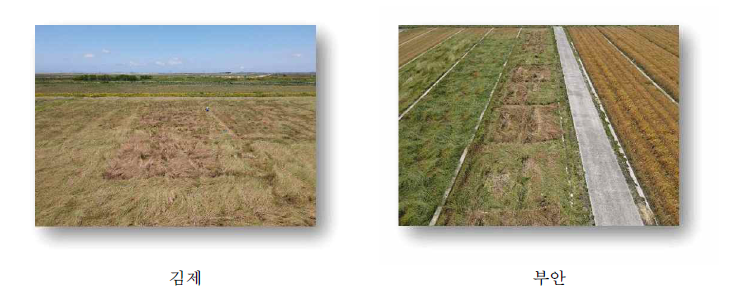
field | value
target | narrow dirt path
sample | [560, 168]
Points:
[612, 204]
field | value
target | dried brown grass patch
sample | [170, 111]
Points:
[147, 156]
[531, 74]
[525, 81]
[526, 124]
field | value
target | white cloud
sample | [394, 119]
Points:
[105, 51]
[133, 63]
[175, 61]
[298, 55]
[171, 61]
[242, 67]
[89, 55]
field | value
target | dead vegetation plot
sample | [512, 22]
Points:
[167, 162]
[530, 84]
[167, 143]
[525, 124]
[523, 168]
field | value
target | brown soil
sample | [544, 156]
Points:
[526, 124]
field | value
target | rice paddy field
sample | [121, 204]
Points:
[107, 156]
[644, 116]
[487, 136]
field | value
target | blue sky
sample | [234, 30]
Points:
[165, 49]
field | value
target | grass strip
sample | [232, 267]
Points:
[433, 136]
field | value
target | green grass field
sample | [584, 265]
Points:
[418, 75]
[155, 161]
[435, 132]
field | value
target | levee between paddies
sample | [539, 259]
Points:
[168, 162]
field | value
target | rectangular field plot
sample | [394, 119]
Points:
[168, 162]
[523, 168]
[433, 134]
[645, 120]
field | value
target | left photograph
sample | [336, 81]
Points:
[175, 126]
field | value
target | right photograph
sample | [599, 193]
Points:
[538, 125]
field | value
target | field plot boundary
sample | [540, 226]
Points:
[608, 190]
[442, 76]
[641, 70]
[431, 48]
[418, 36]
[621, 150]
[437, 213]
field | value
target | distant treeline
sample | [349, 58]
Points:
[108, 78]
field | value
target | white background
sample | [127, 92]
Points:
[357, 246]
